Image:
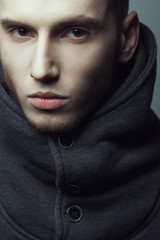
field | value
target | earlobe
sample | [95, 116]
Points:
[129, 37]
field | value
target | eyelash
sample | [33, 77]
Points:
[79, 31]
[14, 35]
[30, 34]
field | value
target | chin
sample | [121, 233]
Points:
[48, 124]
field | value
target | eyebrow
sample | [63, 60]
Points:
[78, 20]
[9, 23]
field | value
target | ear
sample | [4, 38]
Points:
[129, 37]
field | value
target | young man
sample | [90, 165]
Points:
[79, 155]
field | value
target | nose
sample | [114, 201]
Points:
[43, 63]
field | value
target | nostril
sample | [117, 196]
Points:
[48, 78]
[31, 75]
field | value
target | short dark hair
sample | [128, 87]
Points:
[120, 8]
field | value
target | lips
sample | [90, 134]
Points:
[47, 101]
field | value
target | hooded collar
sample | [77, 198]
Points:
[135, 75]
[127, 111]
[115, 157]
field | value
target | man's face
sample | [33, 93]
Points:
[57, 57]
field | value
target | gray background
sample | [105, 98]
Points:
[149, 13]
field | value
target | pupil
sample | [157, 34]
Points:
[22, 32]
[78, 32]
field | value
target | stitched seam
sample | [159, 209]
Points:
[149, 219]
[14, 225]
[60, 193]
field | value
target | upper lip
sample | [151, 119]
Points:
[46, 95]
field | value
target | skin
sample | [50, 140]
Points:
[66, 47]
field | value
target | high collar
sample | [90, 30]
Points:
[127, 111]
[137, 77]
[114, 159]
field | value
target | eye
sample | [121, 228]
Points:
[21, 34]
[76, 33]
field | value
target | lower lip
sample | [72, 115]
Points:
[48, 103]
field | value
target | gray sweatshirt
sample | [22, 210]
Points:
[101, 182]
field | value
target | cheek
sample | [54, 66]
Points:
[15, 57]
[87, 66]
[13, 75]
[15, 67]
[12, 71]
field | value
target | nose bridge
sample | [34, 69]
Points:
[41, 55]
[42, 61]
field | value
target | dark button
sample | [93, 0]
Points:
[74, 213]
[66, 141]
[72, 189]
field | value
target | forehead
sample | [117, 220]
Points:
[52, 8]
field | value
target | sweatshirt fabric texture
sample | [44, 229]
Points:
[101, 183]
